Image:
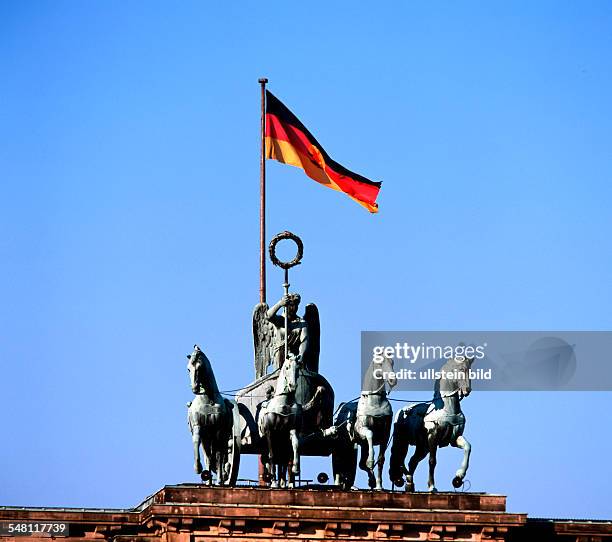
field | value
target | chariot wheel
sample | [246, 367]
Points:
[233, 447]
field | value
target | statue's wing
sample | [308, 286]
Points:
[263, 339]
[311, 356]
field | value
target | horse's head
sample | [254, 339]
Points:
[195, 368]
[459, 381]
[288, 376]
[379, 372]
[389, 371]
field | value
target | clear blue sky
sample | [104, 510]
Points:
[128, 217]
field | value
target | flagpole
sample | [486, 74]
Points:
[262, 227]
[262, 196]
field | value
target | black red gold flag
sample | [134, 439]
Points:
[288, 141]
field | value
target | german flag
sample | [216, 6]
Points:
[289, 142]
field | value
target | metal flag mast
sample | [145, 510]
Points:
[262, 196]
[262, 225]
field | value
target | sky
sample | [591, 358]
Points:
[129, 178]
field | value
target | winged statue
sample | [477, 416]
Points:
[304, 334]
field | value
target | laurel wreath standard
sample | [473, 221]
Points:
[281, 237]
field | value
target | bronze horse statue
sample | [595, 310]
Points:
[366, 423]
[210, 419]
[279, 423]
[433, 425]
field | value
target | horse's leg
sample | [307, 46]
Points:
[433, 448]
[282, 475]
[219, 461]
[368, 436]
[209, 458]
[271, 465]
[380, 464]
[366, 461]
[461, 442]
[224, 465]
[399, 451]
[381, 459]
[419, 454]
[363, 455]
[336, 462]
[295, 467]
[290, 477]
[223, 443]
[195, 438]
[340, 459]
